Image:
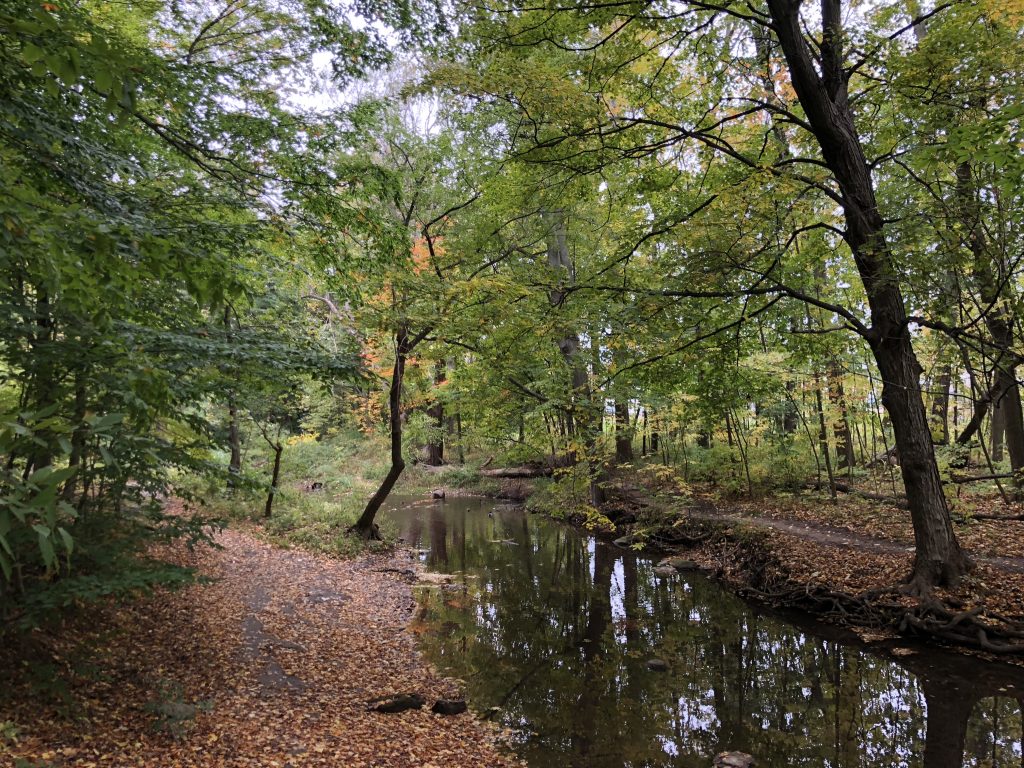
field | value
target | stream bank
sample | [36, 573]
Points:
[843, 562]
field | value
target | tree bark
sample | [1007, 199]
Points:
[823, 94]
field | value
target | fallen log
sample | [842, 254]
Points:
[518, 472]
[958, 479]
[897, 501]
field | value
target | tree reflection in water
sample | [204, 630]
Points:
[556, 629]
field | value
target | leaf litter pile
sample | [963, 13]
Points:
[271, 664]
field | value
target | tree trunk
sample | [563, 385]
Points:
[580, 411]
[940, 406]
[841, 427]
[790, 417]
[623, 432]
[278, 449]
[435, 447]
[234, 438]
[235, 444]
[78, 437]
[822, 91]
[826, 450]
[997, 437]
[365, 526]
[998, 320]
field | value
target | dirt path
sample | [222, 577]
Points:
[270, 665]
[821, 533]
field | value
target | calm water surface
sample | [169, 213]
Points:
[555, 629]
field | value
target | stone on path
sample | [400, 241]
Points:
[449, 707]
[400, 703]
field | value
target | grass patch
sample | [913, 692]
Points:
[323, 488]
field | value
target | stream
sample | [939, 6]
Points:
[559, 632]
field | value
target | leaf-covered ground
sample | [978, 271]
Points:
[271, 664]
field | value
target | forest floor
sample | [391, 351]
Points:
[270, 663]
[844, 559]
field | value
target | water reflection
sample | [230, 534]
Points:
[556, 629]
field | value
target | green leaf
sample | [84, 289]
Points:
[100, 423]
[5, 563]
[47, 551]
[104, 80]
[31, 53]
[67, 540]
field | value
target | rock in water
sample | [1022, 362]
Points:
[734, 760]
[665, 571]
[393, 704]
[679, 563]
[449, 707]
[438, 493]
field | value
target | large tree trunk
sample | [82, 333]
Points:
[824, 98]
[365, 526]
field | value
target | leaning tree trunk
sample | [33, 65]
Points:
[274, 477]
[365, 526]
[822, 90]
